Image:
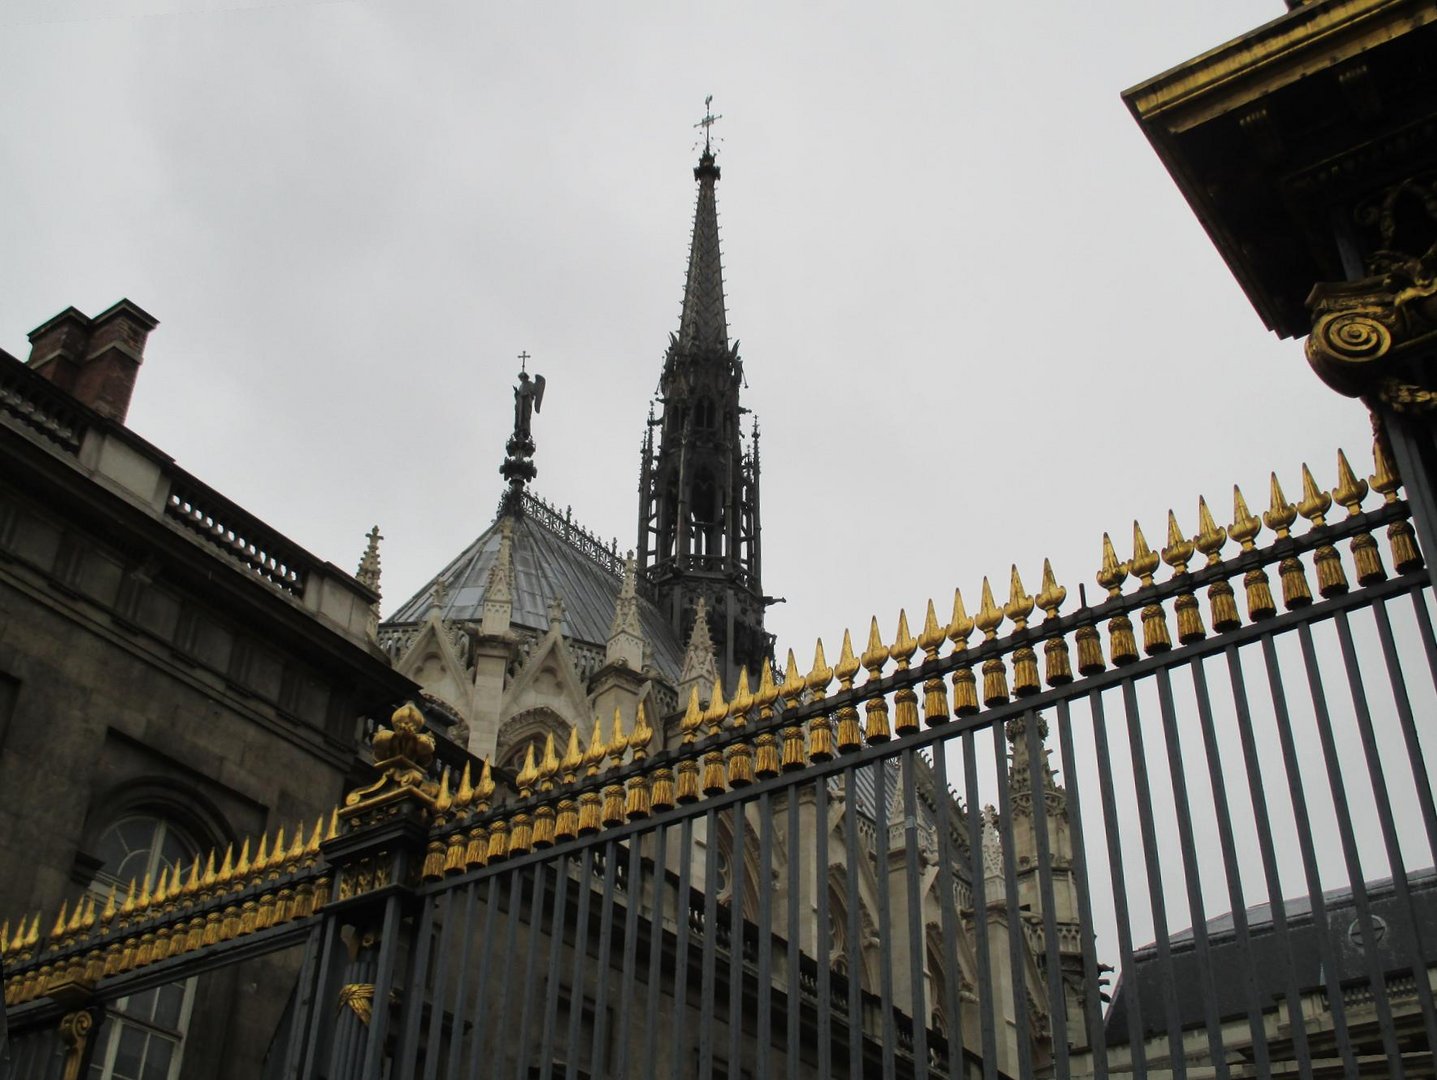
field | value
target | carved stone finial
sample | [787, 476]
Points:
[368, 572]
[556, 613]
[626, 637]
[699, 667]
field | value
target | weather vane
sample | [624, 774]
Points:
[708, 121]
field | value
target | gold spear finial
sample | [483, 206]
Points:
[1020, 604]
[1245, 524]
[932, 637]
[549, 763]
[1281, 514]
[820, 675]
[527, 774]
[742, 700]
[642, 733]
[904, 645]
[989, 616]
[1179, 548]
[1210, 535]
[58, 930]
[1316, 502]
[1384, 479]
[1350, 491]
[847, 666]
[618, 743]
[693, 716]
[718, 708]
[876, 655]
[574, 757]
[959, 625]
[465, 795]
[1051, 596]
[767, 692]
[594, 756]
[1112, 574]
[793, 681]
[1145, 561]
[442, 802]
[484, 790]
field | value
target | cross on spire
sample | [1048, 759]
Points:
[524, 359]
[707, 122]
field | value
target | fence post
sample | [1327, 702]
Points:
[378, 858]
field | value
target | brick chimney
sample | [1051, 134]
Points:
[96, 360]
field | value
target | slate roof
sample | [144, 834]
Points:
[553, 557]
[1267, 956]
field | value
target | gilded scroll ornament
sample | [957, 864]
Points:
[402, 754]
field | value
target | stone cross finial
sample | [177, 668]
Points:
[368, 572]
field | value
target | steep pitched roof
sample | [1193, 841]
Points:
[552, 557]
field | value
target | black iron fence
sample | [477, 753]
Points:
[1185, 831]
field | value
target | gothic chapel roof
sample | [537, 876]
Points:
[553, 558]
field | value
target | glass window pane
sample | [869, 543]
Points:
[157, 1059]
[130, 1054]
[167, 1009]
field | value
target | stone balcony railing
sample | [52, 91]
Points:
[127, 466]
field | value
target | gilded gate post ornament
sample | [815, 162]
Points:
[403, 753]
[1364, 330]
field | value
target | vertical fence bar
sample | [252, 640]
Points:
[1137, 1048]
[461, 991]
[1154, 876]
[917, 949]
[1298, 799]
[1037, 787]
[598, 1058]
[656, 949]
[408, 1055]
[823, 953]
[383, 983]
[585, 886]
[738, 865]
[305, 991]
[793, 1013]
[683, 910]
[1092, 992]
[764, 1039]
[556, 950]
[1256, 1027]
[710, 946]
[885, 918]
[947, 905]
[1196, 909]
[535, 928]
[633, 899]
[1344, 828]
[854, 929]
[320, 1019]
[977, 872]
[1017, 934]
[1421, 780]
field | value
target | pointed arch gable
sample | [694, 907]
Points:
[432, 662]
[526, 690]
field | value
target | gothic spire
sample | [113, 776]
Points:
[368, 572]
[702, 323]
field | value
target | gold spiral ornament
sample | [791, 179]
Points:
[1353, 336]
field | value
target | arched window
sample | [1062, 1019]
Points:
[705, 416]
[142, 1037]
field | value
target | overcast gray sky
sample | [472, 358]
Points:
[980, 325]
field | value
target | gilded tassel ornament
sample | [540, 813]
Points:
[521, 824]
[566, 821]
[740, 754]
[820, 727]
[875, 725]
[765, 762]
[1331, 577]
[905, 699]
[995, 674]
[499, 840]
[791, 756]
[715, 777]
[1176, 554]
[965, 684]
[850, 735]
[434, 851]
[544, 816]
[1244, 529]
[1122, 643]
[613, 798]
[636, 800]
[687, 771]
[1025, 659]
[1366, 557]
[1056, 659]
[935, 695]
[1406, 556]
[1280, 518]
[590, 801]
[1209, 540]
[1155, 623]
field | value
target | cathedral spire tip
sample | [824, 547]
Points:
[518, 467]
